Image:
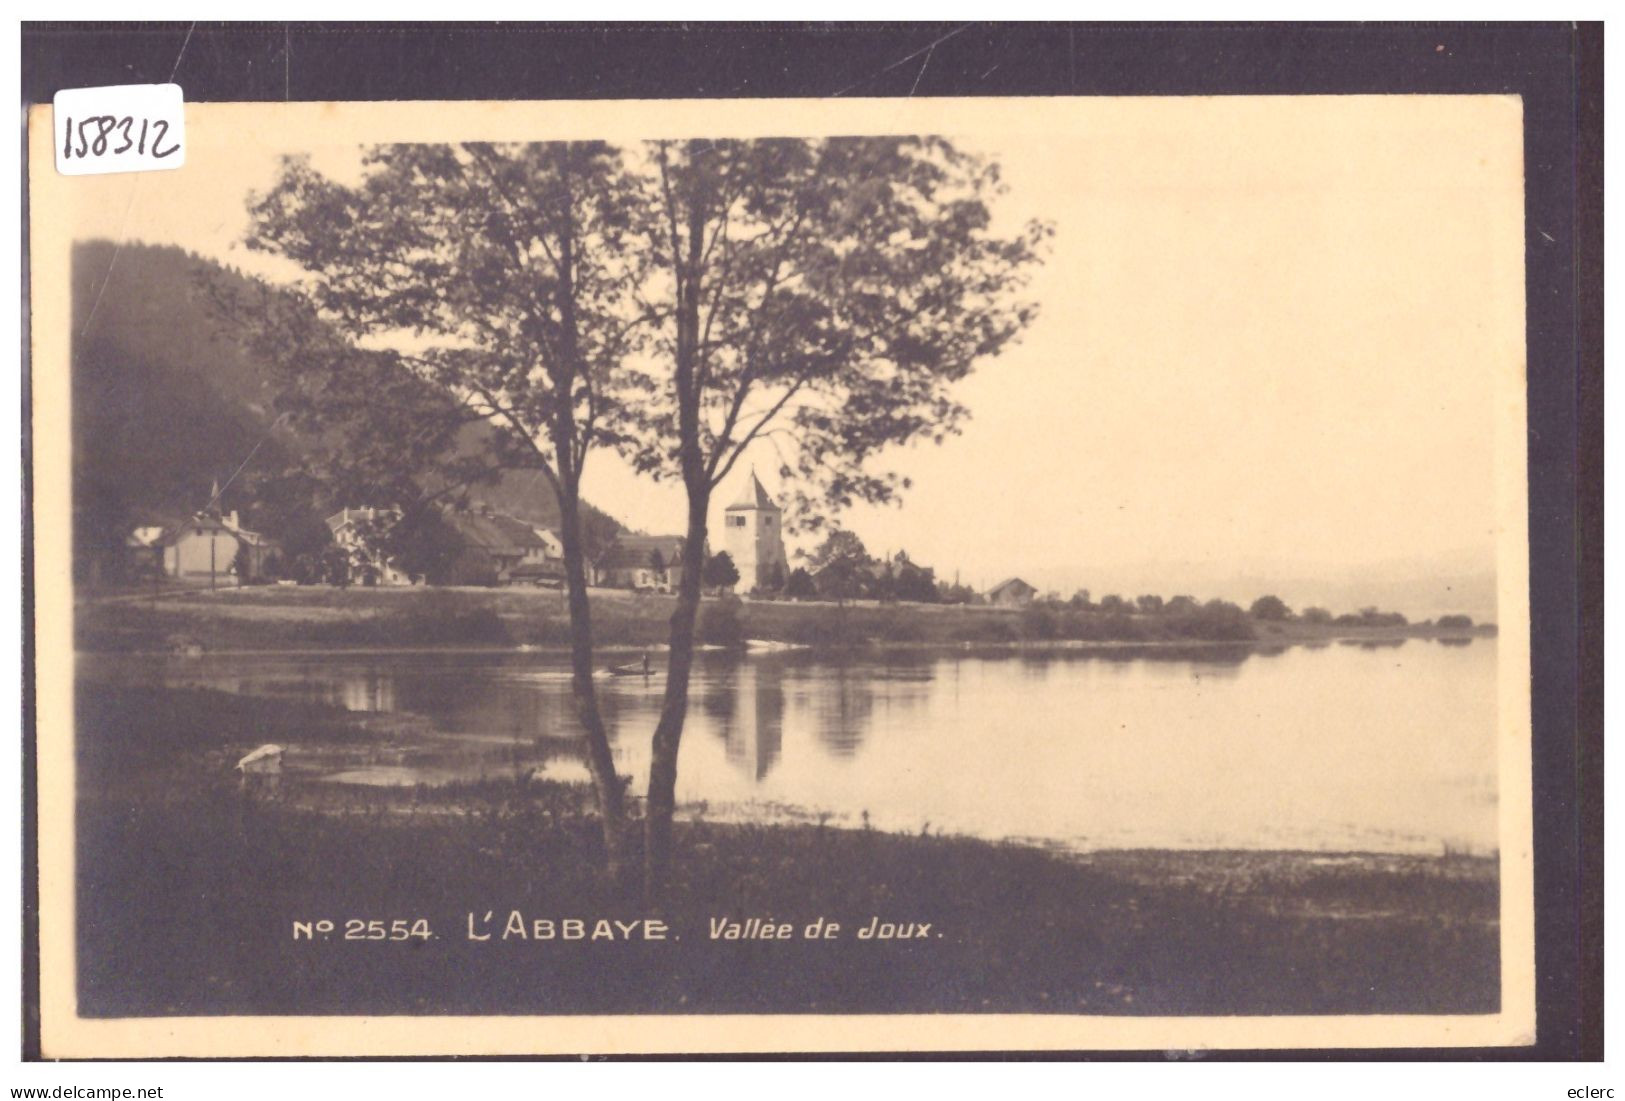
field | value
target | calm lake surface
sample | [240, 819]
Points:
[1338, 747]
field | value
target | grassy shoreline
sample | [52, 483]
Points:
[189, 888]
[1012, 929]
[320, 618]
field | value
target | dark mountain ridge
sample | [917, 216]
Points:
[166, 402]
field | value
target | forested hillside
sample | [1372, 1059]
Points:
[166, 401]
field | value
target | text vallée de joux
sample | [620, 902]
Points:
[516, 926]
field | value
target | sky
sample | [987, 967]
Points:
[1274, 338]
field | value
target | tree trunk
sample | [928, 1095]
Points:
[662, 801]
[600, 761]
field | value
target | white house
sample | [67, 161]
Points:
[346, 526]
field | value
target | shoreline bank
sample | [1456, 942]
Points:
[506, 621]
[207, 892]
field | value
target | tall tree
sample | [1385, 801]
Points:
[500, 283]
[720, 571]
[839, 543]
[824, 295]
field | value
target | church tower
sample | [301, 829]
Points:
[753, 539]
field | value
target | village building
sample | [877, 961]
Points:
[498, 549]
[144, 551]
[552, 545]
[257, 549]
[205, 547]
[650, 562]
[753, 536]
[1011, 593]
[200, 548]
[368, 566]
[542, 564]
[493, 549]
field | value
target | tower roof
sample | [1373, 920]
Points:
[753, 496]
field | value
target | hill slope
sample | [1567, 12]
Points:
[165, 402]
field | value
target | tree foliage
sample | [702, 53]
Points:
[500, 284]
[242, 564]
[825, 295]
[799, 585]
[1270, 609]
[838, 543]
[683, 302]
[502, 272]
[720, 571]
[913, 582]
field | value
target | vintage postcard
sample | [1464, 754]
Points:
[784, 576]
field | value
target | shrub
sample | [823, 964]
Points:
[444, 617]
[800, 586]
[720, 571]
[900, 628]
[1038, 624]
[1215, 621]
[987, 628]
[1371, 617]
[1270, 609]
[1123, 628]
[721, 624]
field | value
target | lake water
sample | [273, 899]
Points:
[1387, 748]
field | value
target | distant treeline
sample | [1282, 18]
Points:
[278, 616]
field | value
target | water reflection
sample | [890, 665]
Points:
[1338, 747]
[842, 708]
[372, 692]
[747, 706]
[1375, 643]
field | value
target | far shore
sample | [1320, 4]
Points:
[319, 619]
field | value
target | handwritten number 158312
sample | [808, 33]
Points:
[98, 136]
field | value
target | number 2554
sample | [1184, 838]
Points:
[100, 135]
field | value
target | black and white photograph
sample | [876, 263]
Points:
[782, 575]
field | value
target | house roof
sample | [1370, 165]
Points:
[630, 552]
[495, 531]
[252, 538]
[201, 520]
[753, 496]
[1008, 583]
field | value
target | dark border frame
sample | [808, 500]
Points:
[1556, 68]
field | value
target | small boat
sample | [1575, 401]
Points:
[267, 758]
[634, 670]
